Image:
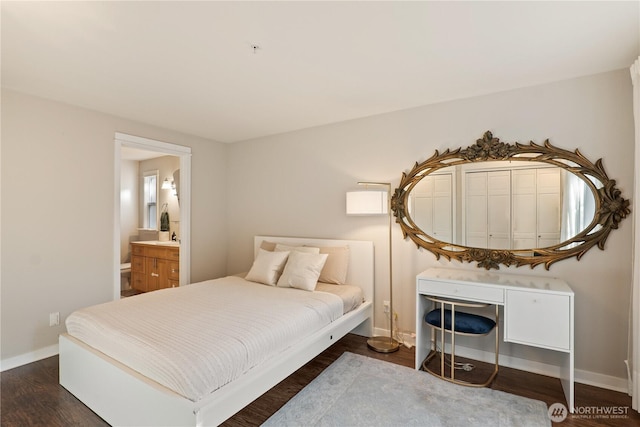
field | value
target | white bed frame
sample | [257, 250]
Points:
[124, 397]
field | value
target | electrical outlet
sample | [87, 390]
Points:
[385, 304]
[54, 319]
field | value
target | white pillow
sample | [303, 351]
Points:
[302, 270]
[307, 249]
[267, 267]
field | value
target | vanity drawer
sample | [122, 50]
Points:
[174, 271]
[152, 252]
[173, 253]
[461, 291]
[137, 250]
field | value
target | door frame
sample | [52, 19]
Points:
[184, 153]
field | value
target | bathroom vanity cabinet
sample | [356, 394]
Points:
[154, 265]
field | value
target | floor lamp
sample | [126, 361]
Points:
[377, 202]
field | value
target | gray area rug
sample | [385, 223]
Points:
[359, 391]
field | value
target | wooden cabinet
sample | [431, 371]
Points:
[154, 266]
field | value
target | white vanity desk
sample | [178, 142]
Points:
[538, 311]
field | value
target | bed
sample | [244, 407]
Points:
[115, 384]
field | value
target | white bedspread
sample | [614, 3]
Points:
[197, 338]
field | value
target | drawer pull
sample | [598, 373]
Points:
[173, 270]
[155, 275]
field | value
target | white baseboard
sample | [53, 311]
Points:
[583, 377]
[602, 381]
[26, 358]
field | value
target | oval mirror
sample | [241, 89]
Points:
[513, 204]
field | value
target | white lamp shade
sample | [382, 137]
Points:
[367, 202]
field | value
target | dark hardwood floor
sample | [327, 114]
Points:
[31, 395]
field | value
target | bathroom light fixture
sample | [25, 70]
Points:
[166, 184]
[377, 202]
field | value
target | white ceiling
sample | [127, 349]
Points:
[190, 66]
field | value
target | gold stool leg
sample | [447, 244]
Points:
[443, 374]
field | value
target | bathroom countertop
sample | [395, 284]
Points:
[157, 243]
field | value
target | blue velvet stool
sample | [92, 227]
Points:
[457, 323]
[466, 323]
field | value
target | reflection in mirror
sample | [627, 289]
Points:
[432, 205]
[513, 204]
[502, 205]
[578, 207]
[150, 199]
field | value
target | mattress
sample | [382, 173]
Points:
[197, 338]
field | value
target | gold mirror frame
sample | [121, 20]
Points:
[610, 207]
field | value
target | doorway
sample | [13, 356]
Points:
[129, 146]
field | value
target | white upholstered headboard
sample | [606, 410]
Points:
[360, 271]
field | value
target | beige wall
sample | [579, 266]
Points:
[294, 184]
[58, 213]
[129, 206]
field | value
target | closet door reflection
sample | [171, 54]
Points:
[433, 206]
[536, 208]
[512, 209]
[486, 209]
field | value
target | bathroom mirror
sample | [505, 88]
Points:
[512, 204]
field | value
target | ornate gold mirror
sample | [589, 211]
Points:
[513, 204]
